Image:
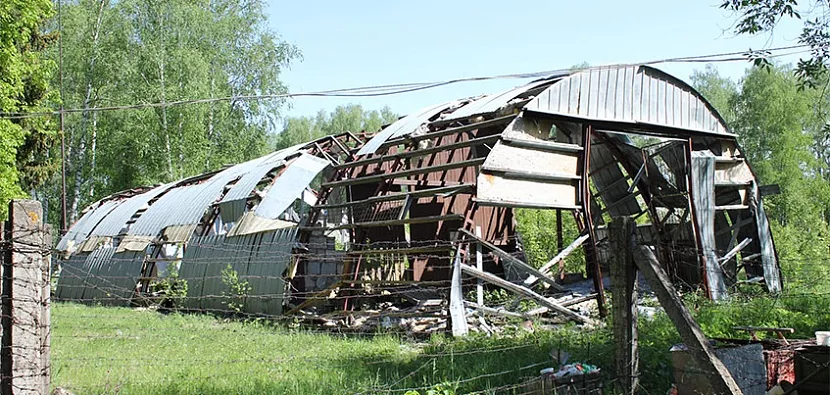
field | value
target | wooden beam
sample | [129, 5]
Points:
[704, 354]
[729, 255]
[401, 195]
[559, 257]
[395, 222]
[441, 133]
[526, 292]
[419, 152]
[367, 179]
[624, 309]
[542, 145]
[514, 261]
[458, 320]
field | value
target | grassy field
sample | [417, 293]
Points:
[120, 350]
[127, 351]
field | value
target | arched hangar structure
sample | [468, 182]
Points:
[339, 213]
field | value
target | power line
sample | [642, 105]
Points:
[400, 88]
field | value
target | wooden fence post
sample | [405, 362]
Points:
[624, 307]
[25, 298]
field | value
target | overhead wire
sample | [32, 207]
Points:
[400, 88]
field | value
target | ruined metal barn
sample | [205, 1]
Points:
[329, 222]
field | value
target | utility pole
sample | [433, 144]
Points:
[60, 115]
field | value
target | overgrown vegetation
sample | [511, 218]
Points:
[237, 290]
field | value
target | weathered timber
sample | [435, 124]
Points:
[402, 195]
[404, 173]
[448, 131]
[559, 257]
[624, 309]
[513, 260]
[734, 251]
[704, 354]
[526, 292]
[395, 222]
[458, 320]
[419, 152]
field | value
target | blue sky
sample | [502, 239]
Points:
[359, 43]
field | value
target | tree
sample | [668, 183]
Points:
[759, 16]
[24, 88]
[349, 118]
[781, 130]
[154, 51]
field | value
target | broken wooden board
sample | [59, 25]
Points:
[526, 292]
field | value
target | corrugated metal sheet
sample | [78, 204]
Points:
[232, 205]
[290, 185]
[703, 193]
[769, 260]
[494, 102]
[259, 259]
[404, 126]
[636, 94]
[114, 222]
[79, 232]
[187, 204]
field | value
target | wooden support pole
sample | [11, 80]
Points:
[624, 309]
[480, 267]
[560, 242]
[704, 354]
[24, 357]
[526, 292]
[458, 320]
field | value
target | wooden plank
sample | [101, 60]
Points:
[402, 195]
[458, 320]
[473, 126]
[404, 173]
[559, 257]
[542, 145]
[704, 354]
[528, 293]
[479, 266]
[395, 222]
[729, 255]
[514, 261]
[419, 152]
[623, 274]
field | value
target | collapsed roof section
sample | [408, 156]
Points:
[602, 142]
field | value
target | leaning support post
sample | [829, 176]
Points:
[704, 354]
[458, 319]
[624, 308]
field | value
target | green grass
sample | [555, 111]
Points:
[126, 351]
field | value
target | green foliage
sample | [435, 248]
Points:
[349, 118]
[759, 16]
[781, 128]
[169, 293]
[24, 88]
[538, 232]
[237, 290]
[149, 51]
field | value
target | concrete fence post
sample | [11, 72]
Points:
[24, 301]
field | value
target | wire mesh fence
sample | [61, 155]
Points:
[203, 320]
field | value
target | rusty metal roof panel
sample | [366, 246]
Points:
[631, 94]
[290, 185]
[79, 232]
[404, 126]
[116, 220]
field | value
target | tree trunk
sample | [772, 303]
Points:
[81, 152]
